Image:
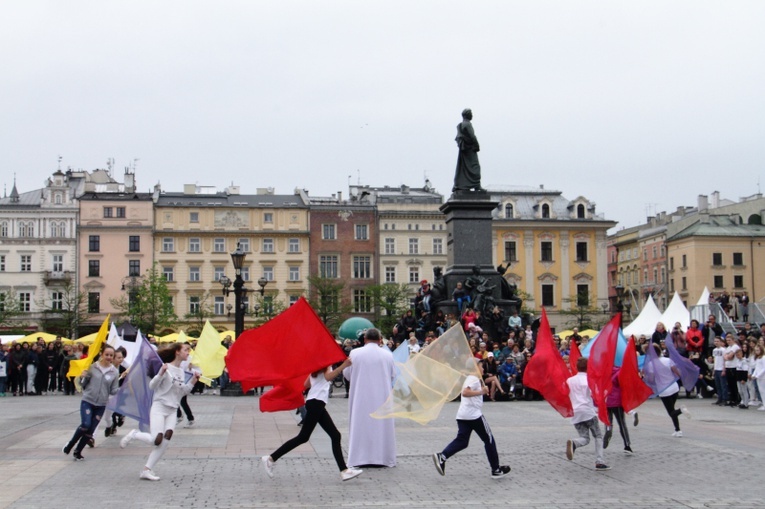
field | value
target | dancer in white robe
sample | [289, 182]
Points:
[372, 371]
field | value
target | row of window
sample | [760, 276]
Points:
[414, 246]
[329, 231]
[118, 212]
[718, 283]
[411, 226]
[717, 260]
[546, 251]
[27, 229]
[25, 263]
[268, 245]
[268, 217]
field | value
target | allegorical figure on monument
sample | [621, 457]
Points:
[468, 174]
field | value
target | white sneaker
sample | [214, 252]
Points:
[149, 475]
[179, 420]
[128, 438]
[677, 434]
[189, 424]
[350, 473]
[762, 408]
[268, 464]
[685, 412]
[699, 396]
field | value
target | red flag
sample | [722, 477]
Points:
[283, 352]
[573, 355]
[600, 366]
[634, 390]
[547, 373]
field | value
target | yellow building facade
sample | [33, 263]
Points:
[195, 233]
[552, 248]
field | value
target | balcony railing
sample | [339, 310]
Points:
[57, 277]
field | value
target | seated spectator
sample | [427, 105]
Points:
[508, 374]
[490, 376]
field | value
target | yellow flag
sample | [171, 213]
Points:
[77, 367]
[210, 354]
[430, 378]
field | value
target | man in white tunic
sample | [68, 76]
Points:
[372, 371]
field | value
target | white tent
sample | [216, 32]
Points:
[700, 311]
[676, 312]
[704, 299]
[646, 321]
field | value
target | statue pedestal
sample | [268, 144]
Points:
[469, 244]
[468, 226]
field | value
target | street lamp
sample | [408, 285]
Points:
[130, 283]
[262, 282]
[240, 292]
[619, 295]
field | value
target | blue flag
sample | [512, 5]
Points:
[134, 397]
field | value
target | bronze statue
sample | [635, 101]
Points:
[480, 291]
[468, 174]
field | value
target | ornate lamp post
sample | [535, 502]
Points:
[619, 306]
[240, 292]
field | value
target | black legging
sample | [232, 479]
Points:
[617, 414]
[186, 410]
[669, 404]
[316, 413]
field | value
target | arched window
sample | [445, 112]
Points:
[4, 229]
[22, 229]
[580, 211]
[545, 211]
[30, 229]
[57, 199]
[509, 211]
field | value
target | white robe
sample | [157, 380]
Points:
[371, 441]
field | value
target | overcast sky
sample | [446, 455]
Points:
[640, 106]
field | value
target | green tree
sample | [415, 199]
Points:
[64, 314]
[389, 301]
[148, 306]
[582, 312]
[265, 307]
[11, 315]
[203, 312]
[326, 298]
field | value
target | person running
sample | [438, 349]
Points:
[616, 413]
[470, 418]
[669, 395]
[117, 419]
[316, 413]
[169, 387]
[100, 381]
[585, 418]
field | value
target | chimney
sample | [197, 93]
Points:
[715, 199]
[340, 196]
[703, 203]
